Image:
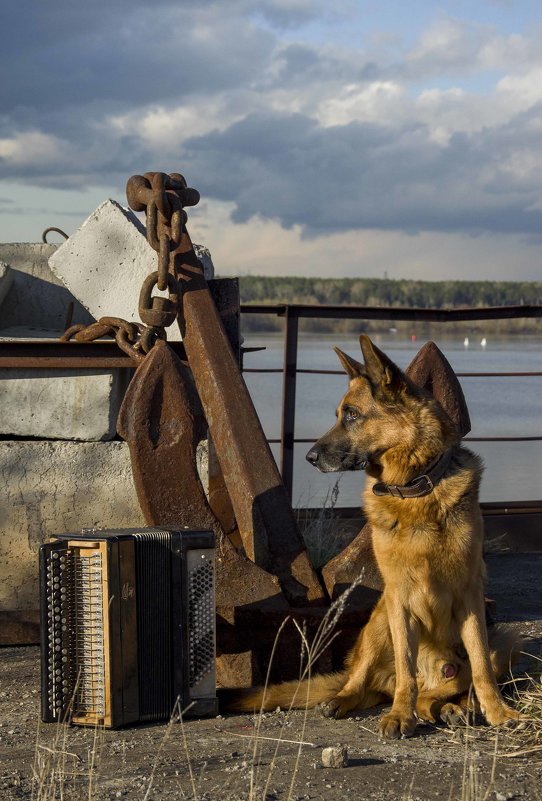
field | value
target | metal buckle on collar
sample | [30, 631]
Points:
[430, 486]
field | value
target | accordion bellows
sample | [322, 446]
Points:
[127, 626]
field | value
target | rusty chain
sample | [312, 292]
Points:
[162, 197]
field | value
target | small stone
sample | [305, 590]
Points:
[335, 756]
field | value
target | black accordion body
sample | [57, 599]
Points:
[127, 626]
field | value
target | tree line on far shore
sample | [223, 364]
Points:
[389, 292]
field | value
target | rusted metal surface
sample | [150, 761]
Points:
[219, 499]
[126, 335]
[262, 509]
[163, 196]
[162, 422]
[157, 311]
[145, 190]
[240, 586]
[50, 230]
[104, 354]
[357, 559]
[289, 384]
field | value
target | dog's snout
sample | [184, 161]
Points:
[313, 455]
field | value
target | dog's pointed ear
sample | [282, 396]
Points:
[351, 367]
[378, 367]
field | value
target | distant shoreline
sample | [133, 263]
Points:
[389, 292]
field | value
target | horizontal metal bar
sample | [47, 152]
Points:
[52, 354]
[66, 362]
[264, 370]
[304, 441]
[393, 312]
[489, 508]
[341, 372]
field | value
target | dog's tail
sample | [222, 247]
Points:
[296, 694]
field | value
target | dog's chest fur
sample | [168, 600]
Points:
[425, 548]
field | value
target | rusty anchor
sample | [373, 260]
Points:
[265, 519]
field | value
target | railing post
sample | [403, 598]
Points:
[289, 372]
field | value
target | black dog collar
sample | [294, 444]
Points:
[419, 486]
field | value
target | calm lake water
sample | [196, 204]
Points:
[503, 407]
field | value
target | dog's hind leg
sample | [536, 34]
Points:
[369, 668]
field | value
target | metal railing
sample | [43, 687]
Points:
[292, 313]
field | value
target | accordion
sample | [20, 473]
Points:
[127, 626]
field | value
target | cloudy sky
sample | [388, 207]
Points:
[335, 139]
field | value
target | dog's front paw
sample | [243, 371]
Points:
[393, 726]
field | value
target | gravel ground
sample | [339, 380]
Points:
[218, 759]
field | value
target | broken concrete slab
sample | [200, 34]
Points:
[105, 262]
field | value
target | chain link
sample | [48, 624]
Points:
[162, 197]
[126, 334]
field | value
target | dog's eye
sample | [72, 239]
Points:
[350, 415]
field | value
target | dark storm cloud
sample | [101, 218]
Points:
[289, 168]
[61, 53]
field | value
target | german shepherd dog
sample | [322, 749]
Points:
[426, 640]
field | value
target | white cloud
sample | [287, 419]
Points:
[31, 148]
[447, 44]
[522, 91]
[379, 101]
[265, 248]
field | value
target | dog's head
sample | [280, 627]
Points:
[382, 410]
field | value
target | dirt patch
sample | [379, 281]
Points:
[220, 758]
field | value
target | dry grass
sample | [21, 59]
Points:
[61, 775]
[325, 535]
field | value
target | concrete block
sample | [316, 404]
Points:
[107, 259]
[36, 296]
[6, 278]
[49, 487]
[60, 404]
